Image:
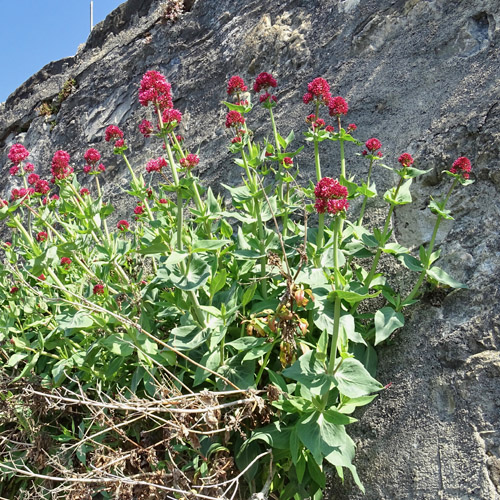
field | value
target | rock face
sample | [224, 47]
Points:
[420, 75]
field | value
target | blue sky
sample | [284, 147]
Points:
[36, 32]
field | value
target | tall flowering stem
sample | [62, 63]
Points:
[460, 171]
[337, 304]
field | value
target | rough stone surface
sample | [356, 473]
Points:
[420, 75]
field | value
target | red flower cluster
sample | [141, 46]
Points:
[17, 153]
[123, 225]
[171, 118]
[60, 165]
[331, 196]
[92, 156]
[461, 166]
[42, 187]
[17, 194]
[156, 165]
[33, 179]
[338, 106]
[233, 119]
[98, 289]
[42, 236]
[264, 81]
[315, 123]
[236, 85]
[113, 133]
[406, 159]
[14, 170]
[351, 128]
[65, 262]
[138, 210]
[146, 128]
[84, 192]
[190, 161]
[317, 89]
[373, 144]
[29, 167]
[287, 162]
[330, 128]
[155, 89]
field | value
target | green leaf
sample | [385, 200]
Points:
[117, 344]
[239, 372]
[311, 373]
[274, 435]
[411, 172]
[402, 198]
[350, 404]
[249, 294]
[187, 337]
[196, 275]
[410, 262]
[209, 360]
[443, 277]
[386, 321]
[351, 297]
[354, 380]
[439, 209]
[218, 281]
[209, 245]
[348, 328]
[72, 319]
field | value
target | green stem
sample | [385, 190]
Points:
[27, 237]
[319, 238]
[360, 220]
[130, 169]
[105, 224]
[263, 367]
[337, 308]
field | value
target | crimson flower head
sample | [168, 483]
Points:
[287, 161]
[65, 262]
[138, 210]
[373, 145]
[113, 133]
[14, 290]
[60, 165]
[461, 166]
[331, 196]
[406, 159]
[155, 89]
[330, 128]
[42, 236]
[98, 289]
[123, 225]
[264, 81]
[352, 127]
[190, 161]
[317, 89]
[41, 277]
[170, 116]
[156, 165]
[267, 98]
[17, 153]
[14, 170]
[92, 156]
[33, 178]
[338, 106]
[233, 119]
[84, 192]
[236, 85]
[42, 186]
[29, 167]
[146, 128]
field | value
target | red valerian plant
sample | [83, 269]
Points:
[261, 300]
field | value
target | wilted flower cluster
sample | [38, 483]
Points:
[331, 196]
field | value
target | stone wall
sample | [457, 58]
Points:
[420, 75]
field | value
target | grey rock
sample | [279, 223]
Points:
[420, 75]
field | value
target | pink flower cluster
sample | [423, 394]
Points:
[17, 153]
[98, 289]
[171, 118]
[114, 133]
[234, 119]
[263, 82]
[236, 85]
[18, 194]
[461, 166]
[146, 128]
[315, 122]
[338, 106]
[65, 262]
[60, 166]
[190, 161]
[156, 90]
[331, 196]
[123, 225]
[406, 160]
[318, 90]
[372, 145]
[92, 157]
[156, 165]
